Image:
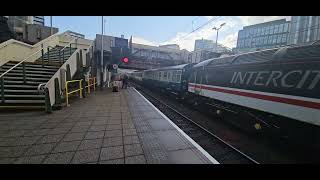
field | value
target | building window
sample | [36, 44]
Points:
[259, 32]
[240, 34]
[247, 33]
[276, 29]
[38, 33]
[111, 42]
[279, 39]
[274, 39]
[247, 43]
[281, 28]
[286, 27]
[266, 30]
[260, 40]
[271, 29]
[269, 39]
[265, 40]
[284, 38]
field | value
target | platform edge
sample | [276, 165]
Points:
[205, 153]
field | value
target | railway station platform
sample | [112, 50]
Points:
[104, 128]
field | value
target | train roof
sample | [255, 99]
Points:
[208, 61]
[181, 66]
[291, 52]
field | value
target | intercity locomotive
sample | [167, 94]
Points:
[276, 89]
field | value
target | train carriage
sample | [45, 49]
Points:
[136, 76]
[283, 82]
[173, 79]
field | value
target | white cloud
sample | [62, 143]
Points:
[230, 40]
[249, 20]
[227, 36]
[186, 40]
[140, 40]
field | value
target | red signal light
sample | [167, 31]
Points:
[125, 60]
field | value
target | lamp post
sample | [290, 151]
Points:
[51, 31]
[101, 61]
[217, 29]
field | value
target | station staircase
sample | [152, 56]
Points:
[19, 87]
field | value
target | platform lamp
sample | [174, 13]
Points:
[217, 29]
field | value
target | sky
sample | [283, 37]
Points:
[160, 30]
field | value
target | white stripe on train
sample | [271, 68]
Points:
[304, 114]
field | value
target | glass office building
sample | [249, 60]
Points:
[38, 20]
[209, 45]
[304, 29]
[263, 36]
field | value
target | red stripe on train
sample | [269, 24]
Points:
[297, 102]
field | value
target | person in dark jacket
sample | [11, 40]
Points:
[125, 81]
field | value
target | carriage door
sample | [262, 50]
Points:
[198, 82]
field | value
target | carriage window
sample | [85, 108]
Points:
[198, 77]
[178, 78]
[193, 77]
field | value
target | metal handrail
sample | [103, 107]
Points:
[62, 50]
[20, 63]
[68, 44]
[74, 91]
[93, 84]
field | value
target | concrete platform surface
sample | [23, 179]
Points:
[104, 128]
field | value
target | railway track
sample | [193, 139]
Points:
[221, 150]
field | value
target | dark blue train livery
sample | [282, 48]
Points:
[173, 79]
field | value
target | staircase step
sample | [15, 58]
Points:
[28, 75]
[56, 52]
[7, 82]
[23, 96]
[33, 65]
[29, 68]
[18, 91]
[27, 71]
[54, 63]
[23, 102]
[55, 57]
[20, 86]
[27, 78]
[18, 94]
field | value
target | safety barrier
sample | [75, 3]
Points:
[68, 93]
[80, 87]
[93, 84]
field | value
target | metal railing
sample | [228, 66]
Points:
[48, 54]
[24, 67]
[70, 46]
[74, 91]
[80, 89]
[23, 73]
[93, 84]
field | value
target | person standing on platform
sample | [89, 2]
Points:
[125, 81]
